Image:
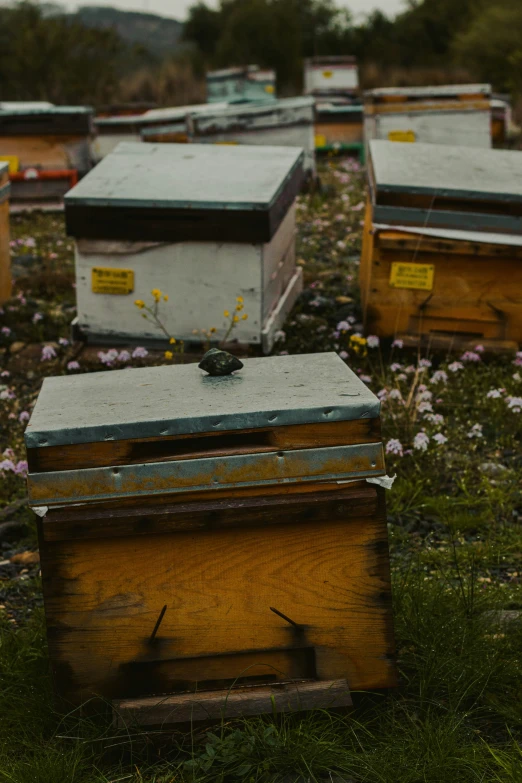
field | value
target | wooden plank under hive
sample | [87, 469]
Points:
[443, 114]
[287, 122]
[269, 584]
[5, 251]
[205, 224]
[442, 246]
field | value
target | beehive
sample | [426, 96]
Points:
[442, 245]
[287, 122]
[329, 77]
[208, 534]
[500, 121]
[154, 125]
[240, 85]
[205, 224]
[48, 146]
[339, 128]
[449, 114]
[5, 252]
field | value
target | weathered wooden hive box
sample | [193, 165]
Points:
[156, 125]
[501, 119]
[442, 246]
[216, 535]
[242, 84]
[205, 224]
[49, 147]
[286, 122]
[339, 128]
[5, 252]
[449, 114]
[329, 77]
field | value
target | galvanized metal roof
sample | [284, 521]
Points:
[484, 237]
[276, 106]
[22, 109]
[175, 400]
[199, 176]
[153, 116]
[430, 91]
[440, 170]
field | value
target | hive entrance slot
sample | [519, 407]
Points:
[204, 446]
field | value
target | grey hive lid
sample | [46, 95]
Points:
[435, 91]
[175, 400]
[180, 192]
[466, 173]
[253, 116]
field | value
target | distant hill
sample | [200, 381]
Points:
[159, 35]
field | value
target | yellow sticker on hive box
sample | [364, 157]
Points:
[13, 161]
[112, 281]
[327, 74]
[320, 140]
[414, 276]
[402, 135]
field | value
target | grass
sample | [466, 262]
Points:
[454, 523]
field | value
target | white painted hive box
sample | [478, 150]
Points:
[204, 224]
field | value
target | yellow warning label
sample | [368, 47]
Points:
[13, 160]
[416, 276]
[327, 74]
[402, 135]
[320, 141]
[112, 281]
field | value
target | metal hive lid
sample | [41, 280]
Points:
[466, 173]
[200, 176]
[30, 109]
[155, 116]
[175, 400]
[438, 91]
[248, 109]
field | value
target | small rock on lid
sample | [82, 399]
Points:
[217, 362]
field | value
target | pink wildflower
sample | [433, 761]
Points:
[479, 349]
[24, 416]
[48, 353]
[37, 317]
[398, 344]
[394, 446]
[440, 439]
[21, 468]
[425, 363]
[439, 377]
[476, 431]
[73, 366]
[372, 341]
[515, 404]
[470, 356]
[421, 441]
[6, 331]
[455, 367]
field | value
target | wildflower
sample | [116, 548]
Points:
[470, 356]
[394, 446]
[235, 319]
[518, 359]
[421, 441]
[6, 394]
[109, 357]
[280, 336]
[6, 331]
[226, 314]
[239, 307]
[73, 366]
[476, 431]
[440, 439]
[48, 353]
[366, 379]
[343, 355]
[124, 356]
[213, 329]
[402, 377]
[424, 394]
[383, 395]
[479, 349]
[63, 342]
[166, 298]
[434, 418]
[7, 464]
[398, 344]
[239, 299]
[516, 376]
[425, 407]
[244, 317]
[24, 416]
[168, 355]
[140, 353]
[156, 293]
[172, 340]
[395, 367]
[494, 394]
[5, 374]
[439, 377]
[139, 303]
[343, 326]
[395, 394]
[455, 367]
[425, 363]
[410, 369]
[372, 341]
[515, 404]
[21, 468]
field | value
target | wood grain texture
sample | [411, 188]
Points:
[47, 151]
[214, 705]
[211, 444]
[103, 598]
[477, 291]
[5, 253]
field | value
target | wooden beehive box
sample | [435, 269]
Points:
[5, 252]
[205, 224]
[339, 128]
[241, 84]
[47, 144]
[443, 244]
[448, 114]
[241, 505]
[287, 122]
[329, 77]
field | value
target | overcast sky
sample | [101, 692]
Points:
[178, 8]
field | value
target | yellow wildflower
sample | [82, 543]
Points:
[166, 298]
[235, 319]
[213, 330]
[168, 354]
[140, 303]
[239, 299]
[156, 293]
[172, 341]
[244, 317]
[239, 307]
[226, 314]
